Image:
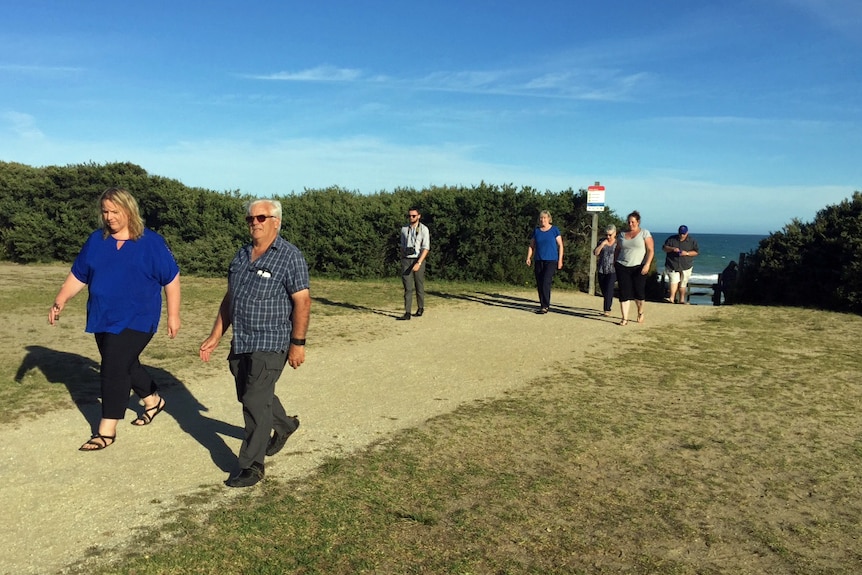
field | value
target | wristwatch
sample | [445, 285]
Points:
[295, 341]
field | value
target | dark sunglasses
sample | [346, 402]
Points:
[260, 219]
[413, 215]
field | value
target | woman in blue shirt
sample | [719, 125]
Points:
[546, 244]
[125, 266]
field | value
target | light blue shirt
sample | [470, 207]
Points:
[418, 238]
[633, 251]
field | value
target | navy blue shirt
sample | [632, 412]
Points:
[546, 244]
[606, 259]
[125, 285]
[260, 303]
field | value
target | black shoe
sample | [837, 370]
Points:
[246, 477]
[419, 312]
[403, 317]
[277, 441]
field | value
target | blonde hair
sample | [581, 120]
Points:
[545, 213]
[126, 202]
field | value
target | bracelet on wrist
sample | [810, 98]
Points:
[297, 341]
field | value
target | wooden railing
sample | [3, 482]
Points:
[694, 288]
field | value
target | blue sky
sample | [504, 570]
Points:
[730, 117]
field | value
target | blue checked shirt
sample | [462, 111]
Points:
[260, 303]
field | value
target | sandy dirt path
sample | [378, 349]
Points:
[61, 505]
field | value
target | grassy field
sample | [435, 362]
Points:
[731, 445]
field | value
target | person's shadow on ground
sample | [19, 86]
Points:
[519, 303]
[80, 375]
[355, 307]
[489, 299]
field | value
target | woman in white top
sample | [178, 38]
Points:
[634, 254]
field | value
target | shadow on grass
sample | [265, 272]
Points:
[354, 307]
[490, 299]
[520, 304]
[80, 375]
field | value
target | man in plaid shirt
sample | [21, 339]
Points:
[268, 304]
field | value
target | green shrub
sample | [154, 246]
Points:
[478, 233]
[817, 264]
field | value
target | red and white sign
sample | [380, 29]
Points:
[596, 198]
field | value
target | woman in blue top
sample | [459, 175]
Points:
[546, 244]
[125, 267]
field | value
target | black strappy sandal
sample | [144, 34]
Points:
[145, 418]
[99, 445]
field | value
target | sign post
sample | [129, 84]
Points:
[595, 204]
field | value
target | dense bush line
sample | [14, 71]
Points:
[47, 213]
[817, 264]
[478, 233]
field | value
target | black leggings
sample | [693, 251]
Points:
[122, 371]
[606, 282]
[632, 282]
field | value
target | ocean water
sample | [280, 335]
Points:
[715, 252]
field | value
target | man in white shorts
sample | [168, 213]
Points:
[681, 250]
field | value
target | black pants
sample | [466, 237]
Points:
[606, 282]
[632, 282]
[121, 370]
[255, 375]
[544, 270]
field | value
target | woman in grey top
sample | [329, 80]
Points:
[635, 251]
[605, 251]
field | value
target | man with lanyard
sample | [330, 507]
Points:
[268, 304]
[415, 243]
[679, 262]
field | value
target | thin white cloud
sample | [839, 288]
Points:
[23, 125]
[595, 84]
[39, 70]
[318, 74]
[844, 16]
[569, 84]
[612, 88]
[782, 124]
[465, 81]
